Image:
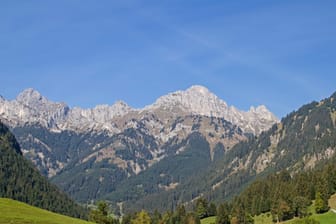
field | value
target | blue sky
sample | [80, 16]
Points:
[277, 53]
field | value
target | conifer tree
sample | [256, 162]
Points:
[223, 214]
[321, 205]
[142, 218]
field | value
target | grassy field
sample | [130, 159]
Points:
[332, 201]
[265, 218]
[14, 212]
[325, 218]
[209, 220]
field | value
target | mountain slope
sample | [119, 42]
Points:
[296, 192]
[302, 140]
[21, 181]
[167, 175]
[127, 154]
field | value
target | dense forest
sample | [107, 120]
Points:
[287, 196]
[281, 194]
[21, 181]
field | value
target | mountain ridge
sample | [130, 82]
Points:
[32, 107]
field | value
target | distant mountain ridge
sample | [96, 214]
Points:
[33, 108]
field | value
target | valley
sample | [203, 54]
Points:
[167, 112]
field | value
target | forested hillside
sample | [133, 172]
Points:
[22, 182]
[301, 198]
[287, 196]
[301, 141]
[162, 179]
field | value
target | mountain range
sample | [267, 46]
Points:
[171, 152]
[175, 115]
[90, 153]
[33, 108]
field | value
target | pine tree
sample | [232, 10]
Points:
[300, 205]
[156, 217]
[321, 205]
[202, 208]
[223, 214]
[212, 210]
[101, 214]
[142, 218]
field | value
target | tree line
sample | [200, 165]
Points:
[283, 195]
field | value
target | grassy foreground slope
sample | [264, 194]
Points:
[209, 220]
[325, 218]
[16, 212]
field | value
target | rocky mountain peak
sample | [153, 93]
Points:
[198, 100]
[31, 107]
[195, 100]
[118, 107]
[263, 111]
[122, 106]
[30, 96]
[105, 112]
[198, 89]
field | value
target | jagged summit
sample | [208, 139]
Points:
[29, 96]
[199, 89]
[196, 100]
[118, 108]
[30, 106]
[200, 101]
[263, 111]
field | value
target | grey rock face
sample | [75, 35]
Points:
[31, 107]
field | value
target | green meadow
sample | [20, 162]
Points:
[14, 212]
